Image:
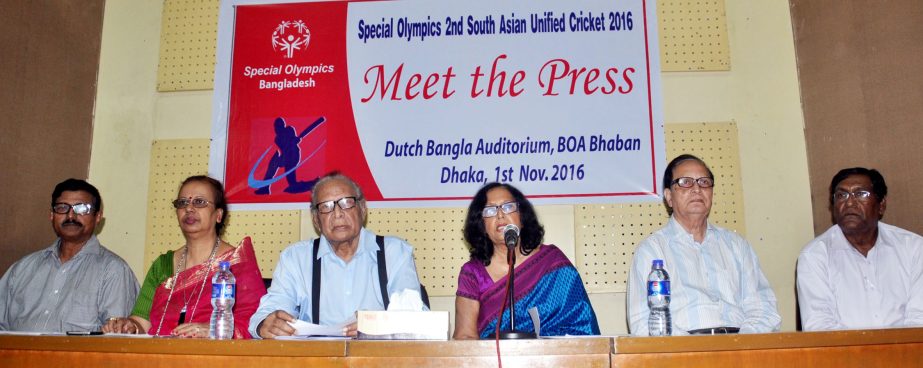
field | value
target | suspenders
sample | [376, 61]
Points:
[315, 284]
[382, 270]
[315, 279]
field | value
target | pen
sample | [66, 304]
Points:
[83, 333]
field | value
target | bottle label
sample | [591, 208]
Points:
[658, 288]
[224, 291]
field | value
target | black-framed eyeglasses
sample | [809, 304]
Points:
[344, 203]
[687, 182]
[79, 208]
[507, 208]
[859, 195]
[181, 203]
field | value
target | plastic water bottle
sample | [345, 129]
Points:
[224, 289]
[658, 299]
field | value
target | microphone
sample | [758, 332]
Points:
[511, 235]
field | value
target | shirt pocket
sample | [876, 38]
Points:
[81, 312]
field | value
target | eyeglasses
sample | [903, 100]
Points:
[687, 182]
[859, 195]
[507, 208]
[345, 203]
[181, 203]
[79, 208]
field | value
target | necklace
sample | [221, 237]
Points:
[182, 314]
[172, 283]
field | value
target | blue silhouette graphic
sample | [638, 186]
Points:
[287, 157]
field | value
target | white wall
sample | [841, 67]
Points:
[123, 126]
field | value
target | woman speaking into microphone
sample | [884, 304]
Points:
[544, 278]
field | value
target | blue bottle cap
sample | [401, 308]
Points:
[658, 263]
[224, 264]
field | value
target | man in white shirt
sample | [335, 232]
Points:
[861, 273]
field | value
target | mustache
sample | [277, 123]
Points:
[71, 222]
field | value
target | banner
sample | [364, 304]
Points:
[423, 102]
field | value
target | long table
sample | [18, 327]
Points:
[865, 349]
[861, 349]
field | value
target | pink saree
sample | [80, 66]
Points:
[250, 289]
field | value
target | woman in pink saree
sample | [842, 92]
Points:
[175, 299]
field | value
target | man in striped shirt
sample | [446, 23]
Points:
[716, 281]
[75, 283]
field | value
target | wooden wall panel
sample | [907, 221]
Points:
[862, 94]
[48, 67]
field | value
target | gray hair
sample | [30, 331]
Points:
[334, 176]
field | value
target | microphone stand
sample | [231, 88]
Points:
[512, 333]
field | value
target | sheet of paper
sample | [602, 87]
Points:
[303, 328]
[312, 338]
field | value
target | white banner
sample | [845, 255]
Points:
[560, 99]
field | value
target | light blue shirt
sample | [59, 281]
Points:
[716, 283]
[345, 287]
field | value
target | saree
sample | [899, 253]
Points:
[546, 281]
[152, 300]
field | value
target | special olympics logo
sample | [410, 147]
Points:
[290, 36]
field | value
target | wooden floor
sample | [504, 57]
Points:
[865, 349]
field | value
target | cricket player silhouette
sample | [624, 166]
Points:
[287, 157]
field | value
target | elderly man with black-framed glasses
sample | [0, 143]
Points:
[861, 273]
[717, 284]
[75, 284]
[348, 268]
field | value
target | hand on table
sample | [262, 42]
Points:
[122, 325]
[276, 324]
[195, 330]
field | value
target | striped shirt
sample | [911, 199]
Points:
[41, 294]
[715, 283]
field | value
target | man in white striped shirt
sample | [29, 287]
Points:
[716, 281]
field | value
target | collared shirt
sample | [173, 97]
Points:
[39, 293]
[715, 283]
[838, 288]
[346, 287]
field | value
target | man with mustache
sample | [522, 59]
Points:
[861, 273]
[715, 277]
[75, 284]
